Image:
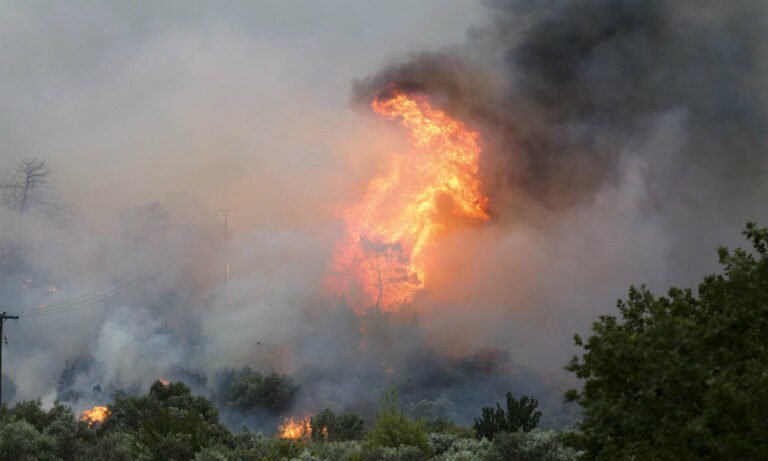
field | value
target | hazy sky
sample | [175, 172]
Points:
[230, 101]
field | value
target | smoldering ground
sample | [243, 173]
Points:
[622, 142]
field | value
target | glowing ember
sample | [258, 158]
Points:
[164, 381]
[296, 429]
[383, 259]
[95, 415]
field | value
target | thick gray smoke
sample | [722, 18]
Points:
[622, 141]
[560, 88]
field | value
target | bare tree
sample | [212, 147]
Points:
[27, 187]
[24, 185]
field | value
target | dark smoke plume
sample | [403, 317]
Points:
[560, 89]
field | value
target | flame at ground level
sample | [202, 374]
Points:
[383, 260]
[294, 429]
[95, 415]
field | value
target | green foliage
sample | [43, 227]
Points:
[446, 426]
[682, 376]
[168, 421]
[58, 424]
[341, 451]
[520, 415]
[395, 429]
[330, 427]
[20, 440]
[115, 446]
[535, 445]
[170, 424]
[249, 446]
[401, 453]
[449, 447]
[252, 391]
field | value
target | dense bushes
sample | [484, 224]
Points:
[247, 390]
[329, 427]
[170, 423]
[394, 428]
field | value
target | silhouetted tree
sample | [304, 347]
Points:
[26, 187]
[24, 184]
[520, 415]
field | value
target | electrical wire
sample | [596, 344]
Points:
[86, 300]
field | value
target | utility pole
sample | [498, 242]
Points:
[3, 318]
[226, 212]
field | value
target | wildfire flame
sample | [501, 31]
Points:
[95, 415]
[383, 259]
[296, 429]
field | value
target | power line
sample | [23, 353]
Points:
[44, 312]
[95, 295]
[88, 299]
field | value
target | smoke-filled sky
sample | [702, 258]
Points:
[622, 142]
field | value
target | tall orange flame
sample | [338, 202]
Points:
[383, 260]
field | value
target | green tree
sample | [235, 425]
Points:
[168, 421]
[682, 376]
[58, 423]
[20, 440]
[273, 393]
[520, 415]
[115, 446]
[394, 428]
[330, 427]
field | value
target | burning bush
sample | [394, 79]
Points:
[95, 415]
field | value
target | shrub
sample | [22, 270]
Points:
[530, 446]
[520, 415]
[395, 429]
[273, 393]
[444, 426]
[330, 427]
[465, 449]
[401, 453]
[169, 421]
[340, 451]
